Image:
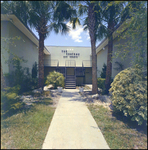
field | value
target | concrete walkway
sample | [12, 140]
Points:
[73, 126]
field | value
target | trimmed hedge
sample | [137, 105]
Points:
[56, 79]
[129, 94]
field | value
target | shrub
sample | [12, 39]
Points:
[10, 101]
[129, 94]
[56, 79]
[34, 70]
[14, 89]
[103, 72]
[21, 76]
[101, 83]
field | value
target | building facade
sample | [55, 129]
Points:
[73, 62]
[102, 51]
[26, 47]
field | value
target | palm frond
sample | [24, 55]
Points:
[101, 32]
[65, 29]
[85, 28]
[58, 27]
[61, 14]
[82, 9]
[75, 21]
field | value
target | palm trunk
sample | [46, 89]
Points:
[41, 61]
[92, 31]
[109, 58]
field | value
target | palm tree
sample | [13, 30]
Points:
[92, 23]
[42, 13]
[19, 8]
[114, 13]
[44, 16]
[111, 15]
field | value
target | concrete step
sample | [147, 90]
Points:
[70, 78]
[70, 82]
[70, 87]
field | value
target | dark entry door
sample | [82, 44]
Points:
[70, 71]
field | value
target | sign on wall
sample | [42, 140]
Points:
[70, 54]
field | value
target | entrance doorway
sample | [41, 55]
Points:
[70, 71]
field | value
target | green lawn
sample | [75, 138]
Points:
[117, 133]
[27, 130]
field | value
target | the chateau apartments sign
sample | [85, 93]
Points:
[70, 54]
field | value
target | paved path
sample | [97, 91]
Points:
[73, 126]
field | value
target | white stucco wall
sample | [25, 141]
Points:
[102, 58]
[126, 62]
[23, 48]
[4, 46]
[57, 54]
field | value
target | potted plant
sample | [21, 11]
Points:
[59, 89]
[81, 89]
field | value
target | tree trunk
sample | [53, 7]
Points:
[41, 61]
[92, 31]
[109, 58]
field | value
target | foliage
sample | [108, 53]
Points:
[135, 31]
[56, 79]
[101, 83]
[92, 23]
[34, 70]
[16, 7]
[20, 76]
[14, 89]
[103, 73]
[120, 66]
[129, 93]
[10, 101]
[43, 16]
[110, 18]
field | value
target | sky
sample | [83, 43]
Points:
[76, 37]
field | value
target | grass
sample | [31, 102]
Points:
[118, 134]
[27, 129]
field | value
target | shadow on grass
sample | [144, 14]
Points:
[26, 108]
[131, 124]
[45, 101]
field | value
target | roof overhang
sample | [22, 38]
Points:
[16, 22]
